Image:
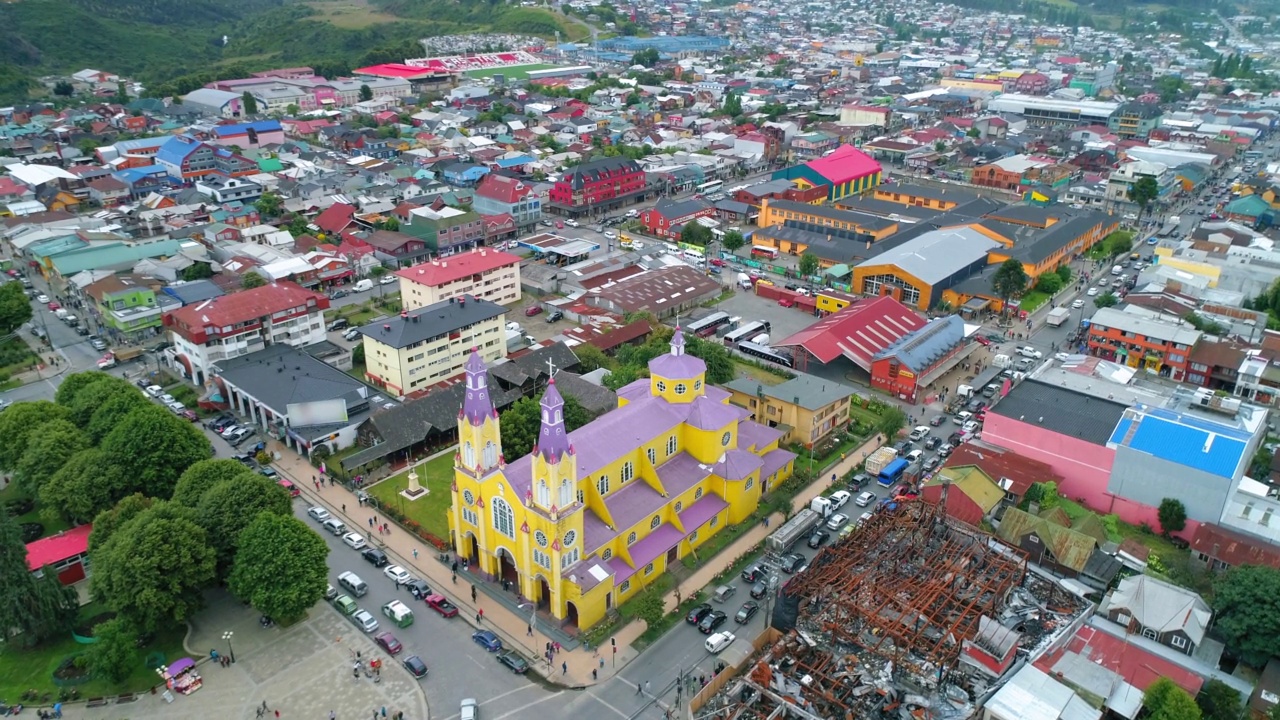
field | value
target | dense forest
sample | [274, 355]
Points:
[171, 45]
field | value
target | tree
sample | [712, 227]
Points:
[109, 414]
[1120, 242]
[35, 607]
[197, 271]
[109, 521]
[291, 109]
[1049, 283]
[591, 358]
[1219, 701]
[733, 241]
[1143, 192]
[732, 105]
[202, 476]
[1172, 515]
[719, 362]
[647, 57]
[153, 447]
[63, 88]
[1166, 701]
[1064, 273]
[229, 507]
[269, 204]
[366, 93]
[47, 452]
[115, 654]
[1009, 281]
[623, 375]
[248, 104]
[15, 308]
[280, 567]
[84, 403]
[891, 422]
[695, 233]
[1247, 605]
[251, 280]
[808, 265]
[522, 421]
[84, 486]
[1106, 300]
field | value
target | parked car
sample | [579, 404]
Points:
[514, 660]
[239, 436]
[718, 642]
[817, 538]
[933, 442]
[487, 640]
[1029, 352]
[339, 324]
[746, 612]
[931, 464]
[837, 520]
[555, 316]
[415, 666]
[318, 514]
[375, 557]
[354, 540]
[417, 588]
[792, 563]
[839, 498]
[365, 620]
[695, 615]
[154, 390]
[865, 499]
[533, 310]
[388, 279]
[937, 420]
[388, 642]
[441, 605]
[397, 574]
[351, 335]
[752, 573]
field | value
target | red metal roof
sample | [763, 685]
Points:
[335, 218]
[999, 463]
[959, 506]
[858, 332]
[55, 549]
[845, 164]
[396, 70]
[246, 306]
[1234, 548]
[1137, 666]
[456, 267]
[502, 188]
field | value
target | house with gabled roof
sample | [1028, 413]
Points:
[1052, 539]
[1173, 616]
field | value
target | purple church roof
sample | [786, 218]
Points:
[677, 367]
[701, 511]
[681, 473]
[553, 441]
[476, 405]
[655, 544]
[707, 414]
[736, 465]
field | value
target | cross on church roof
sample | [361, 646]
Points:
[551, 368]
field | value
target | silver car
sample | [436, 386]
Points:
[365, 620]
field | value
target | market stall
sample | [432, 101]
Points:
[182, 676]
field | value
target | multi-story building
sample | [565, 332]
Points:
[597, 186]
[908, 368]
[229, 189]
[809, 408]
[483, 273]
[499, 194]
[445, 229]
[185, 158]
[1139, 341]
[311, 92]
[126, 304]
[1012, 173]
[667, 217]
[592, 517]
[1135, 119]
[430, 344]
[247, 321]
[1122, 180]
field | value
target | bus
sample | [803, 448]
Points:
[764, 251]
[709, 187]
[1168, 229]
[707, 325]
[773, 355]
[746, 332]
[1253, 155]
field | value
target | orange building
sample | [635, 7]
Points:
[1131, 339]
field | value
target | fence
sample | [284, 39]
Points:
[768, 636]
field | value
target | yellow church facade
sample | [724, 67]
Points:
[591, 517]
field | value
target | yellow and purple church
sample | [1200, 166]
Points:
[590, 517]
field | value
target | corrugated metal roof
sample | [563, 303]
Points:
[924, 347]
[1190, 441]
[937, 255]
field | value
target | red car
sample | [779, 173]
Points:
[983, 341]
[440, 605]
[786, 302]
[533, 310]
[717, 262]
[189, 415]
[388, 642]
[53, 305]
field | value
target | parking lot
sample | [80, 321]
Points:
[746, 305]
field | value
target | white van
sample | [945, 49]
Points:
[363, 286]
[1116, 270]
[353, 584]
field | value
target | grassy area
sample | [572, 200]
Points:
[1033, 300]
[430, 511]
[514, 72]
[350, 14]
[52, 526]
[15, 357]
[32, 669]
[758, 374]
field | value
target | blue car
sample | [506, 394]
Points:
[487, 640]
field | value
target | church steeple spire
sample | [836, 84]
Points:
[553, 441]
[477, 405]
[677, 342]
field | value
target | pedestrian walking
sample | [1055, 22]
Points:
[454, 576]
[264, 706]
[333, 715]
[555, 647]
[528, 631]
[370, 522]
[646, 687]
[277, 713]
[639, 688]
[601, 663]
[344, 508]
[593, 674]
[258, 712]
[384, 711]
[473, 593]
[564, 668]
[415, 553]
[480, 613]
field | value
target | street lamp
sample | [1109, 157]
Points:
[230, 650]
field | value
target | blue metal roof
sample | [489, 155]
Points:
[261, 126]
[1195, 442]
[921, 348]
[176, 149]
[133, 175]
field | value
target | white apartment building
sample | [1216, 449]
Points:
[482, 273]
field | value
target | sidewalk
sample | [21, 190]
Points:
[501, 610]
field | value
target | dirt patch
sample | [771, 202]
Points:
[69, 670]
[84, 628]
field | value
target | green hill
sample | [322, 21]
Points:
[171, 45]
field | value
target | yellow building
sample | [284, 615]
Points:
[808, 408]
[425, 346]
[591, 517]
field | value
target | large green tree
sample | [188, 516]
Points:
[47, 452]
[522, 421]
[15, 308]
[1143, 192]
[83, 487]
[733, 241]
[229, 507]
[1106, 300]
[111, 412]
[1164, 700]
[34, 607]
[695, 233]
[280, 567]
[719, 362]
[1172, 515]
[109, 521]
[75, 383]
[115, 654]
[591, 357]
[269, 204]
[90, 398]
[1246, 603]
[202, 476]
[153, 447]
[1009, 281]
[20, 423]
[1219, 701]
[249, 103]
[153, 568]
[808, 265]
